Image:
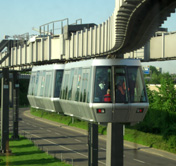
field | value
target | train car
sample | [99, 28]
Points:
[104, 90]
[44, 87]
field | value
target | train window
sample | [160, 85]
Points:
[58, 82]
[121, 94]
[102, 89]
[136, 85]
[78, 83]
[36, 83]
[64, 88]
[48, 86]
[89, 83]
[42, 83]
[84, 87]
[32, 84]
[70, 86]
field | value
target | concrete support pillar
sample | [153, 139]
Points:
[15, 105]
[114, 145]
[5, 111]
[93, 144]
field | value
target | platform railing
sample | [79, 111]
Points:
[54, 27]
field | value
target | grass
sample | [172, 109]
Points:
[148, 139]
[25, 153]
[132, 135]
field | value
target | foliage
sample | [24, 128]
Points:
[151, 140]
[161, 116]
[153, 70]
[155, 76]
[165, 98]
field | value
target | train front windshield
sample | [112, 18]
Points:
[119, 84]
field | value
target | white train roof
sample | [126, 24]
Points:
[103, 62]
[48, 67]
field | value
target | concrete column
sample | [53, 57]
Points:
[114, 145]
[5, 111]
[15, 105]
[93, 144]
[163, 45]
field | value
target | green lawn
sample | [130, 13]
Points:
[24, 153]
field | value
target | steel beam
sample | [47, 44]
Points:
[5, 111]
[93, 144]
[15, 105]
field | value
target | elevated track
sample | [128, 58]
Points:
[131, 25]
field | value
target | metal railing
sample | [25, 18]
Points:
[56, 27]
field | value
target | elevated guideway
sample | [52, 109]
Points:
[131, 25]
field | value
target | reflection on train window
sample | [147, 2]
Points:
[58, 83]
[70, 86]
[102, 85]
[78, 84]
[32, 85]
[36, 83]
[42, 83]
[47, 92]
[64, 89]
[88, 86]
[84, 87]
[136, 85]
[121, 94]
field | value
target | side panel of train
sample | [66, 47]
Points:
[76, 92]
[44, 89]
[92, 92]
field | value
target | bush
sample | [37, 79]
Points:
[172, 141]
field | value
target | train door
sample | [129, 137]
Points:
[120, 94]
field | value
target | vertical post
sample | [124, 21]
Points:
[15, 105]
[163, 45]
[5, 111]
[114, 145]
[10, 93]
[147, 51]
[93, 144]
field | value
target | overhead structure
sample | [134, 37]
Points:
[131, 25]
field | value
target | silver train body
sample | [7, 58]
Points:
[44, 87]
[98, 90]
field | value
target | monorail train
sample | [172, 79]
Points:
[97, 90]
[44, 87]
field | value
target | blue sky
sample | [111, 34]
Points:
[19, 16]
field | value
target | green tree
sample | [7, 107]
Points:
[153, 70]
[165, 99]
[155, 78]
